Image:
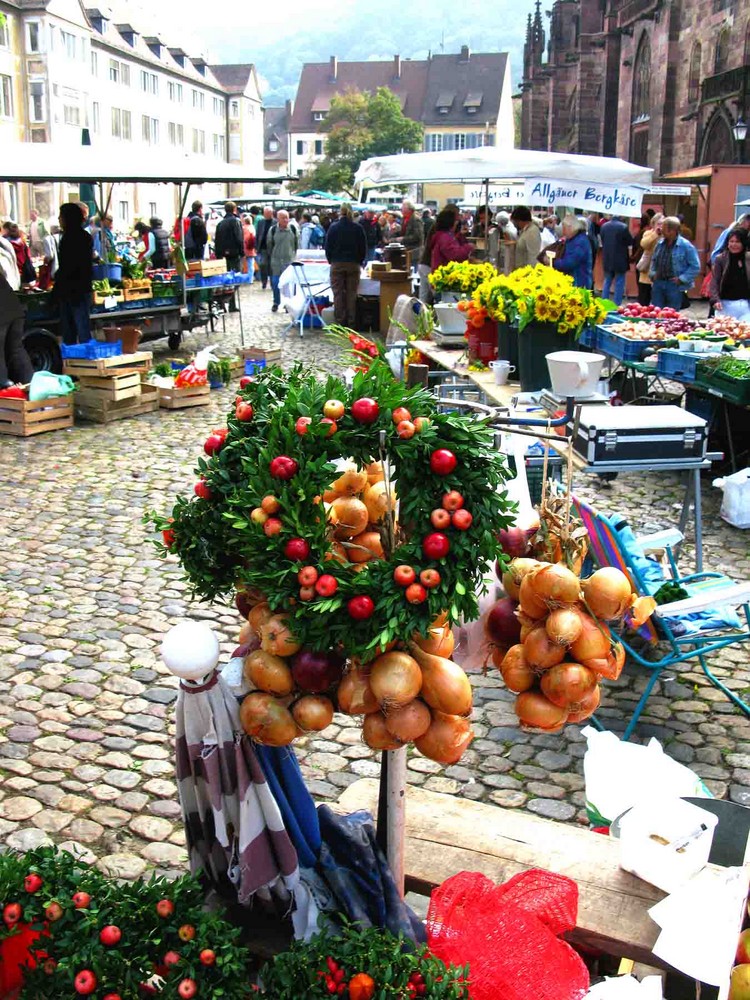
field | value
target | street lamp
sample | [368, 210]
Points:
[739, 130]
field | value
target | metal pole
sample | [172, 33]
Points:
[396, 816]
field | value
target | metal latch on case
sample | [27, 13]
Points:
[689, 438]
[610, 440]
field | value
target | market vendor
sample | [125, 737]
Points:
[15, 364]
[730, 277]
[529, 241]
[412, 232]
[104, 239]
[445, 242]
[576, 258]
[72, 289]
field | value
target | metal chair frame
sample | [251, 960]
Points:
[310, 306]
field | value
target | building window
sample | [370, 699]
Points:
[199, 140]
[123, 210]
[301, 147]
[69, 44]
[95, 116]
[273, 146]
[234, 109]
[94, 63]
[150, 130]
[175, 91]
[176, 134]
[434, 142]
[33, 36]
[121, 124]
[642, 81]
[199, 100]
[152, 209]
[721, 54]
[5, 34]
[218, 106]
[694, 77]
[119, 72]
[149, 82]
[235, 150]
[319, 116]
[36, 101]
[318, 147]
[6, 96]
[71, 114]
[220, 146]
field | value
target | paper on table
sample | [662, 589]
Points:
[700, 922]
[627, 988]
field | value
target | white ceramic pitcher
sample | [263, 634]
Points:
[574, 373]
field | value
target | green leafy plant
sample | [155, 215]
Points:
[64, 905]
[372, 964]
[163, 369]
[220, 371]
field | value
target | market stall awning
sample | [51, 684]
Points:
[34, 163]
[595, 183]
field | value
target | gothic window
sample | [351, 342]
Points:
[721, 54]
[694, 77]
[642, 80]
[717, 142]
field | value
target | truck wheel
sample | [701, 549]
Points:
[44, 351]
[174, 340]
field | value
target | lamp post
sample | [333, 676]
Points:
[739, 132]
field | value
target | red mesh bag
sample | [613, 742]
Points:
[508, 935]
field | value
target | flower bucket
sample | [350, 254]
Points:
[507, 343]
[482, 341]
[535, 342]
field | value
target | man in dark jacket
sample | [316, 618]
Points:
[346, 250]
[196, 235]
[72, 288]
[373, 233]
[15, 364]
[160, 256]
[616, 239]
[229, 242]
[262, 229]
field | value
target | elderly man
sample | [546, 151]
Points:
[721, 244]
[36, 231]
[262, 228]
[281, 246]
[674, 266]
[412, 232]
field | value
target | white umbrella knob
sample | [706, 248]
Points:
[190, 650]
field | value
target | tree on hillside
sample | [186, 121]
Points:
[360, 125]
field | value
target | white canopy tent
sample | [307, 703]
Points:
[592, 183]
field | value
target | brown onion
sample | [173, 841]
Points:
[564, 626]
[446, 739]
[568, 684]
[609, 666]
[540, 651]
[268, 673]
[354, 695]
[247, 632]
[313, 712]
[267, 721]
[259, 615]
[555, 585]
[410, 722]
[515, 573]
[276, 637]
[537, 712]
[445, 686]
[438, 641]
[376, 735]
[641, 611]
[349, 516]
[587, 707]
[593, 642]
[395, 679]
[517, 674]
[607, 593]
[531, 604]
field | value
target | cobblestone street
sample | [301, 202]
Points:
[86, 706]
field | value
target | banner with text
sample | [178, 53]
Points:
[549, 192]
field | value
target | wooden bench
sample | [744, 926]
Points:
[446, 835]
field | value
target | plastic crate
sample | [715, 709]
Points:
[736, 390]
[91, 350]
[700, 405]
[613, 317]
[588, 337]
[679, 365]
[252, 367]
[243, 279]
[621, 348]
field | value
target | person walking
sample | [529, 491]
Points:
[616, 241]
[674, 266]
[248, 235]
[15, 364]
[577, 257]
[36, 231]
[306, 230]
[529, 242]
[649, 238]
[262, 228]
[196, 235]
[729, 291]
[72, 288]
[281, 247]
[373, 234]
[412, 233]
[229, 244]
[346, 252]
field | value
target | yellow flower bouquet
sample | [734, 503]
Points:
[538, 293]
[461, 277]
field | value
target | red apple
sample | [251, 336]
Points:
[171, 958]
[440, 518]
[110, 935]
[245, 381]
[326, 585]
[32, 882]
[453, 500]
[436, 546]
[165, 907]
[416, 594]
[272, 526]
[111, 996]
[297, 549]
[404, 575]
[421, 423]
[462, 519]
[331, 424]
[213, 443]
[443, 462]
[406, 429]
[283, 467]
[202, 490]
[270, 504]
[53, 911]
[186, 932]
[361, 608]
[85, 982]
[187, 989]
[302, 424]
[306, 594]
[12, 913]
[243, 411]
[50, 964]
[333, 409]
[429, 578]
[399, 414]
[207, 956]
[365, 410]
[307, 576]
[258, 515]
[81, 900]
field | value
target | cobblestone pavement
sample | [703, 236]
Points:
[86, 706]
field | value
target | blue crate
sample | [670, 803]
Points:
[91, 350]
[700, 405]
[243, 279]
[588, 337]
[253, 366]
[613, 317]
[679, 365]
[616, 346]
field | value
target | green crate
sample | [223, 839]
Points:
[716, 383]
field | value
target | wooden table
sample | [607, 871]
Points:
[455, 361]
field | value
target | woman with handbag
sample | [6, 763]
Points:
[648, 240]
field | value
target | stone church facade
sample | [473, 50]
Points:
[657, 82]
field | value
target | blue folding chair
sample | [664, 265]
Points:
[693, 628]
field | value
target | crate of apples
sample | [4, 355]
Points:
[634, 310]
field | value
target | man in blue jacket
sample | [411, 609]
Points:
[674, 266]
[616, 239]
[346, 251]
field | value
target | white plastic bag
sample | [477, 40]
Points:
[735, 507]
[627, 988]
[619, 774]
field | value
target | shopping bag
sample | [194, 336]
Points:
[735, 507]
[45, 385]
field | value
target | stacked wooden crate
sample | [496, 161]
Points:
[112, 388]
[22, 418]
